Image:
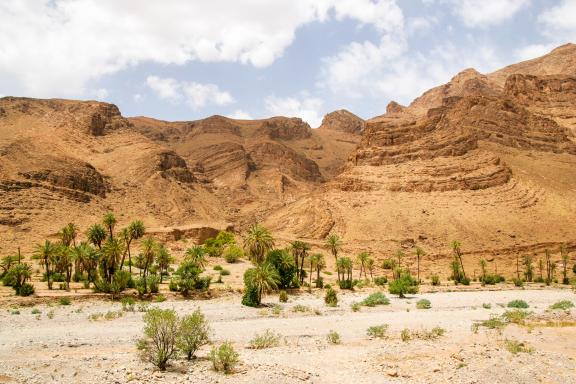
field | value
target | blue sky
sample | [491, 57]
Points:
[188, 59]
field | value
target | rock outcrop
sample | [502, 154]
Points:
[343, 121]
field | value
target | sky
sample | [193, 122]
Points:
[189, 59]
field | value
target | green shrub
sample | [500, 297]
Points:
[405, 335]
[435, 280]
[377, 331]
[233, 253]
[283, 297]
[492, 279]
[374, 299]
[224, 272]
[331, 299]
[36, 311]
[486, 305]
[128, 304]
[161, 330]
[380, 280]
[25, 290]
[173, 285]
[405, 284]
[494, 322]
[250, 297]
[518, 304]
[423, 304]
[563, 305]
[283, 263]
[153, 282]
[319, 282]
[193, 333]
[216, 246]
[224, 358]
[268, 339]
[518, 282]
[64, 301]
[515, 316]
[516, 347]
[160, 298]
[355, 307]
[217, 268]
[389, 264]
[300, 308]
[333, 337]
[346, 284]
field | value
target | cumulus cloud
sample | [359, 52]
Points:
[303, 106]
[101, 94]
[560, 21]
[485, 13]
[196, 95]
[240, 115]
[55, 47]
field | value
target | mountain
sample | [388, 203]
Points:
[487, 159]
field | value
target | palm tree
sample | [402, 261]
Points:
[163, 259]
[400, 255]
[264, 278]
[197, 255]
[315, 260]
[370, 267]
[419, 253]
[149, 248]
[134, 231]
[362, 258]
[347, 265]
[565, 259]
[257, 242]
[456, 247]
[109, 221]
[320, 263]
[68, 234]
[112, 251]
[483, 265]
[334, 244]
[299, 252]
[46, 252]
[96, 234]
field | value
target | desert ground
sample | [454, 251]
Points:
[42, 341]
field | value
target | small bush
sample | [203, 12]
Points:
[374, 299]
[435, 280]
[193, 333]
[268, 339]
[283, 297]
[331, 299]
[64, 301]
[36, 311]
[562, 305]
[143, 306]
[423, 304]
[276, 310]
[377, 331]
[300, 308]
[224, 272]
[160, 298]
[355, 307]
[173, 285]
[381, 280]
[389, 264]
[153, 282]
[486, 305]
[515, 316]
[50, 314]
[518, 304]
[127, 304]
[518, 282]
[111, 315]
[233, 254]
[25, 290]
[492, 279]
[217, 268]
[224, 358]
[346, 284]
[14, 312]
[405, 284]
[333, 337]
[250, 297]
[516, 347]
[160, 334]
[405, 335]
[494, 322]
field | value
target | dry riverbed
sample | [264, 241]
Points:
[74, 344]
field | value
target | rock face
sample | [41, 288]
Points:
[342, 121]
[488, 159]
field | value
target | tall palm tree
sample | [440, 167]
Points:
[400, 255]
[320, 263]
[264, 278]
[257, 242]
[96, 234]
[419, 253]
[362, 258]
[112, 251]
[163, 259]
[149, 248]
[370, 267]
[109, 221]
[68, 234]
[300, 251]
[334, 244]
[197, 255]
[134, 231]
[456, 247]
[46, 252]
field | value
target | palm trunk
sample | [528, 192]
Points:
[302, 268]
[47, 273]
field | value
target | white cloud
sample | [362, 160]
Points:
[101, 94]
[47, 43]
[560, 21]
[483, 13]
[532, 51]
[137, 97]
[240, 115]
[196, 95]
[303, 106]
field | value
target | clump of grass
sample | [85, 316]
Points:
[277, 310]
[143, 306]
[423, 304]
[224, 272]
[515, 347]
[518, 304]
[405, 335]
[355, 307]
[300, 308]
[128, 304]
[217, 268]
[95, 316]
[333, 337]
[283, 297]
[224, 358]
[377, 331]
[331, 298]
[562, 305]
[494, 322]
[374, 299]
[111, 315]
[486, 305]
[50, 314]
[64, 301]
[160, 298]
[516, 316]
[267, 339]
[36, 311]
[14, 312]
